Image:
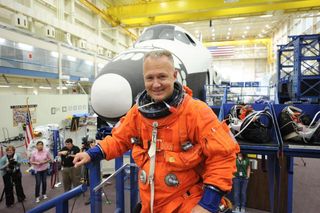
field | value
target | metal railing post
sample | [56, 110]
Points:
[95, 179]
[133, 185]
[119, 185]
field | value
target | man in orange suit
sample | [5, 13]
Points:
[185, 155]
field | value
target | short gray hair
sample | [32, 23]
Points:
[159, 54]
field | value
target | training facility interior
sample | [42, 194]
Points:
[264, 54]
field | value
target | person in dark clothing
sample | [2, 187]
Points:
[11, 174]
[70, 174]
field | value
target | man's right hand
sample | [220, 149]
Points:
[81, 158]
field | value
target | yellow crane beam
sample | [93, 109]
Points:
[264, 41]
[181, 11]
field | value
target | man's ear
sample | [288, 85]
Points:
[175, 74]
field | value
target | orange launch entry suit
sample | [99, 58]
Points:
[210, 160]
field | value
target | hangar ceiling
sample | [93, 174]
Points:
[216, 20]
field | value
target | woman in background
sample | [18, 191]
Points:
[240, 182]
[10, 171]
[40, 160]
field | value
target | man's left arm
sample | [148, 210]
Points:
[219, 148]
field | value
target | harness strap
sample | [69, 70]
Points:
[152, 154]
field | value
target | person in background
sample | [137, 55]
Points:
[240, 182]
[70, 174]
[40, 159]
[87, 143]
[10, 171]
[185, 154]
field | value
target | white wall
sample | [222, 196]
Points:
[43, 110]
[241, 69]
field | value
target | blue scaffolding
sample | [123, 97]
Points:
[299, 69]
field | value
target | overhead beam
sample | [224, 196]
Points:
[175, 7]
[182, 11]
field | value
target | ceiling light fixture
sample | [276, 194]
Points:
[266, 16]
[26, 47]
[54, 54]
[237, 18]
[247, 27]
[25, 87]
[63, 88]
[71, 58]
[43, 87]
[90, 63]
[188, 23]
[4, 86]
[229, 28]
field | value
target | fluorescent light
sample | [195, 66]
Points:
[212, 30]
[197, 31]
[2, 40]
[43, 87]
[238, 18]
[26, 47]
[247, 27]
[228, 33]
[266, 16]
[188, 23]
[54, 54]
[243, 36]
[90, 63]
[227, 37]
[213, 34]
[229, 28]
[4, 86]
[268, 26]
[25, 87]
[71, 58]
[63, 88]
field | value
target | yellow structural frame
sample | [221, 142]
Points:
[150, 13]
[264, 41]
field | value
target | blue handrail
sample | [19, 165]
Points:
[60, 202]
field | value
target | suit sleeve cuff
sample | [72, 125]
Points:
[96, 153]
[211, 199]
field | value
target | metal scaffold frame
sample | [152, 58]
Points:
[299, 69]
